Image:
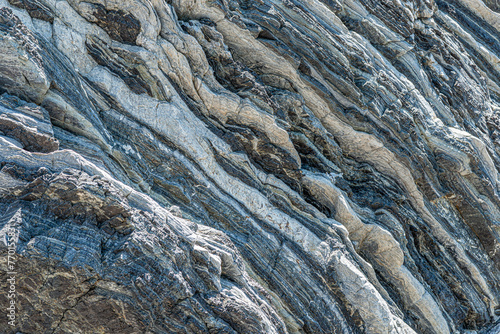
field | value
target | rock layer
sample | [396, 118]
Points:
[273, 166]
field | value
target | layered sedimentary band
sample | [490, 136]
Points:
[250, 166]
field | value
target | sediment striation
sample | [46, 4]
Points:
[250, 166]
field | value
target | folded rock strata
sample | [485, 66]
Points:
[251, 166]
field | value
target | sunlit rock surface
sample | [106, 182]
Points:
[252, 166]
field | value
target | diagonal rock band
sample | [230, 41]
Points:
[249, 166]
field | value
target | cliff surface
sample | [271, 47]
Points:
[250, 166]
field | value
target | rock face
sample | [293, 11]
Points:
[250, 166]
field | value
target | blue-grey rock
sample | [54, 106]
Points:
[274, 166]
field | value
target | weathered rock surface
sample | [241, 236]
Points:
[250, 166]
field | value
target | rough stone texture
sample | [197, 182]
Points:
[273, 166]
